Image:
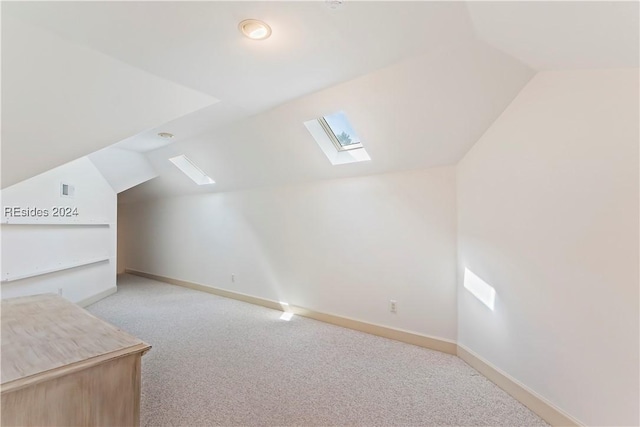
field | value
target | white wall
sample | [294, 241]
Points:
[121, 244]
[548, 216]
[344, 247]
[31, 245]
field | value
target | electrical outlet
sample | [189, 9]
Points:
[233, 278]
[393, 306]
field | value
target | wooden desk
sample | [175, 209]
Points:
[61, 366]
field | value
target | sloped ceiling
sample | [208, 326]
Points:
[61, 101]
[122, 168]
[563, 34]
[420, 81]
[422, 112]
[198, 45]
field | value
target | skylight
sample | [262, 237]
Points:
[340, 131]
[191, 170]
[337, 139]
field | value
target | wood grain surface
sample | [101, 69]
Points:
[61, 366]
[45, 332]
[107, 394]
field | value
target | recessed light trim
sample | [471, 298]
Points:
[334, 4]
[254, 29]
[165, 135]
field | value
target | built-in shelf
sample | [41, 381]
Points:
[8, 277]
[48, 221]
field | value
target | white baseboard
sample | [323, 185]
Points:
[536, 403]
[209, 289]
[97, 297]
[432, 343]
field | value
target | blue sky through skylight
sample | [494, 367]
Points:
[340, 127]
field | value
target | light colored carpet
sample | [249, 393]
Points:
[217, 361]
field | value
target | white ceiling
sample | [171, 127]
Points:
[61, 101]
[422, 112]
[562, 34]
[421, 81]
[197, 44]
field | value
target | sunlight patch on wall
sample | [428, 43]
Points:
[480, 289]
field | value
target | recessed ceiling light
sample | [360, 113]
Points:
[334, 4]
[254, 29]
[165, 135]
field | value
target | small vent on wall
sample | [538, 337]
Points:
[67, 190]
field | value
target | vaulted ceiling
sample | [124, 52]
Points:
[420, 81]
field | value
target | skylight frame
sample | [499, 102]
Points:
[335, 156]
[334, 139]
[190, 169]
